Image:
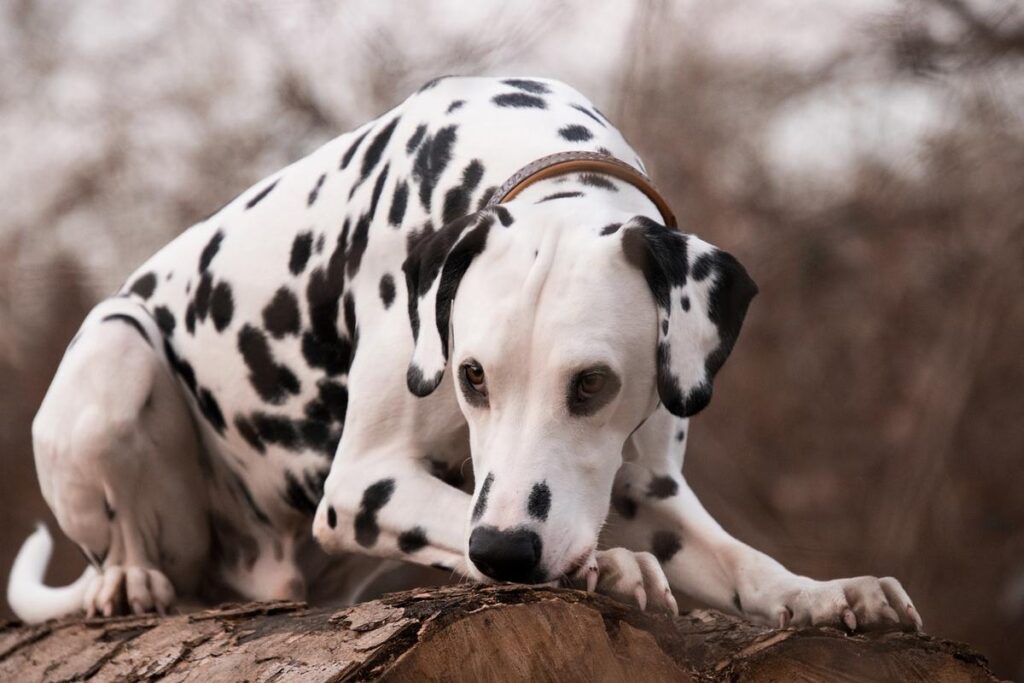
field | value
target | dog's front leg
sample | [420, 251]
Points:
[393, 508]
[654, 510]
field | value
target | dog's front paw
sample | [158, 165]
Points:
[132, 589]
[629, 577]
[864, 602]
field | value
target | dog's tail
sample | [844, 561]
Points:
[30, 599]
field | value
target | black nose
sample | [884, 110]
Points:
[506, 555]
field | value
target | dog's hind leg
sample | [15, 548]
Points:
[118, 460]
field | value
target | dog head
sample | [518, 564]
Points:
[564, 331]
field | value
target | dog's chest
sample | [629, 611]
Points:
[267, 304]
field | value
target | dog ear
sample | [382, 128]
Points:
[702, 294]
[433, 271]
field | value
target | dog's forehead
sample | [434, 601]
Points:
[557, 280]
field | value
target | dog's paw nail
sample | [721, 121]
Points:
[641, 598]
[849, 619]
[591, 579]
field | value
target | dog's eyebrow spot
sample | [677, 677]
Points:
[481, 500]
[539, 502]
[332, 517]
[662, 487]
[664, 545]
[575, 133]
[610, 229]
[412, 540]
[375, 497]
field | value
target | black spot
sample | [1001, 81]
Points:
[320, 243]
[456, 200]
[296, 495]
[418, 384]
[664, 326]
[664, 545]
[519, 99]
[211, 410]
[485, 198]
[144, 286]
[736, 602]
[128, 320]
[431, 161]
[584, 110]
[559, 195]
[431, 83]
[376, 148]
[504, 216]
[481, 500]
[526, 85]
[322, 347]
[357, 248]
[611, 228]
[164, 320]
[275, 429]
[350, 321]
[334, 396]
[455, 105]
[625, 506]
[398, 203]
[680, 435]
[332, 517]
[702, 267]
[261, 195]
[416, 138]
[272, 381]
[248, 432]
[575, 133]
[301, 248]
[685, 303]
[209, 251]
[412, 540]
[387, 289]
[181, 367]
[539, 502]
[375, 497]
[202, 296]
[281, 315]
[662, 487]
[222, 306]
[190, 318]
[315, 192]
[351, 151]
[597, 180]
[378, 188]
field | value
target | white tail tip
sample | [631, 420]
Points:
[30, 599]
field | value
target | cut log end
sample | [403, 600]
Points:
[469, 633]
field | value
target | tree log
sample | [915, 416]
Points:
[468, 633]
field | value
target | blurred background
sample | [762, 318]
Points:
[865, 160]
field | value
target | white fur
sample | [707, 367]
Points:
[30, 599]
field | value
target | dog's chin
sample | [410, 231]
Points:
[573, 567]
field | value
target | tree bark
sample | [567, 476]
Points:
[468, 633]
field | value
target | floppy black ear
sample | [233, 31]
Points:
[433, 272]
[702, 295]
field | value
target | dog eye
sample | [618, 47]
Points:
[474, 375]
[589, 384]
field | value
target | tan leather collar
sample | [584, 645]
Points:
[581, 162]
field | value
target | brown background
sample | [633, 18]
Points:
[867, 167]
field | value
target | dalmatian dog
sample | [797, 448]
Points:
[369, 357]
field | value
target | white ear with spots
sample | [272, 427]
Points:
[433, 272]
[702, 295]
